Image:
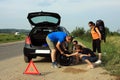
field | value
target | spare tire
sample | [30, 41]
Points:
[63, 60]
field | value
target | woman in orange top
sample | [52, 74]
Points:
[96, 43]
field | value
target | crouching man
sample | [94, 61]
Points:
[54, 41]
[85, 54]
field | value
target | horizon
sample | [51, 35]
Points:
[69, 31]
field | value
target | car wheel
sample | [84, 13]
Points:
[27, 59]
[63, 60]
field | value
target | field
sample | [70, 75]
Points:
[110, 51]
[5, 37]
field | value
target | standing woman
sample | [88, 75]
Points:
[96, 42]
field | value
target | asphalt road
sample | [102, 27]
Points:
[9, 50]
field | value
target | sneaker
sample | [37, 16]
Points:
[55, 66]
[98, 62]
[59, 66]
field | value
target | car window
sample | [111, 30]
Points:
[40, 19]
[63, 29]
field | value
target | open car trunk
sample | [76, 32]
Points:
[38, 37]
[42, 23]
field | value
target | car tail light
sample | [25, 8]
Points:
[27, 40]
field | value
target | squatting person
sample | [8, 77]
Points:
[85, 54]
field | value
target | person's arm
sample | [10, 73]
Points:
[73, 54]
[58, 47]
[98, 32]
[64, 46]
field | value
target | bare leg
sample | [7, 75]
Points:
[53, 55]
[99, 59]
[90, 65]
[99, 56]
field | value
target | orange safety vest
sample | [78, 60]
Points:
[95, 35]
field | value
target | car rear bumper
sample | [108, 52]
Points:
[36, 52]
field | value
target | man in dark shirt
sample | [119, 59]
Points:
[85, 54]
[91, 56]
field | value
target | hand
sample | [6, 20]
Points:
[89, 55]
[62, 52]
[67, 55]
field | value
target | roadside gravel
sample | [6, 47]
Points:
[13, 68]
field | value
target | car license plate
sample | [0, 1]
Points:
[42, 51]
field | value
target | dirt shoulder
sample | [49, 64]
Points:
[12, 69]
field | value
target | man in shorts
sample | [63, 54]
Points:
[54, 41]
[85, 54]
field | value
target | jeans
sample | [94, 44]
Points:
[91, 59]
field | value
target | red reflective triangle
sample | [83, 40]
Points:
[31, 69]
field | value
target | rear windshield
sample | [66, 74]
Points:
[40, 19]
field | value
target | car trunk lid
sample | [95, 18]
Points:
[42, 19]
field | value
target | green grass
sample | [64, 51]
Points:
[5, 38]
[110, 52]
[112, 57]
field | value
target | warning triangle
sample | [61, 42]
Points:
[31, 69]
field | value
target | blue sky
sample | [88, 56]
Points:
[13, 13]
